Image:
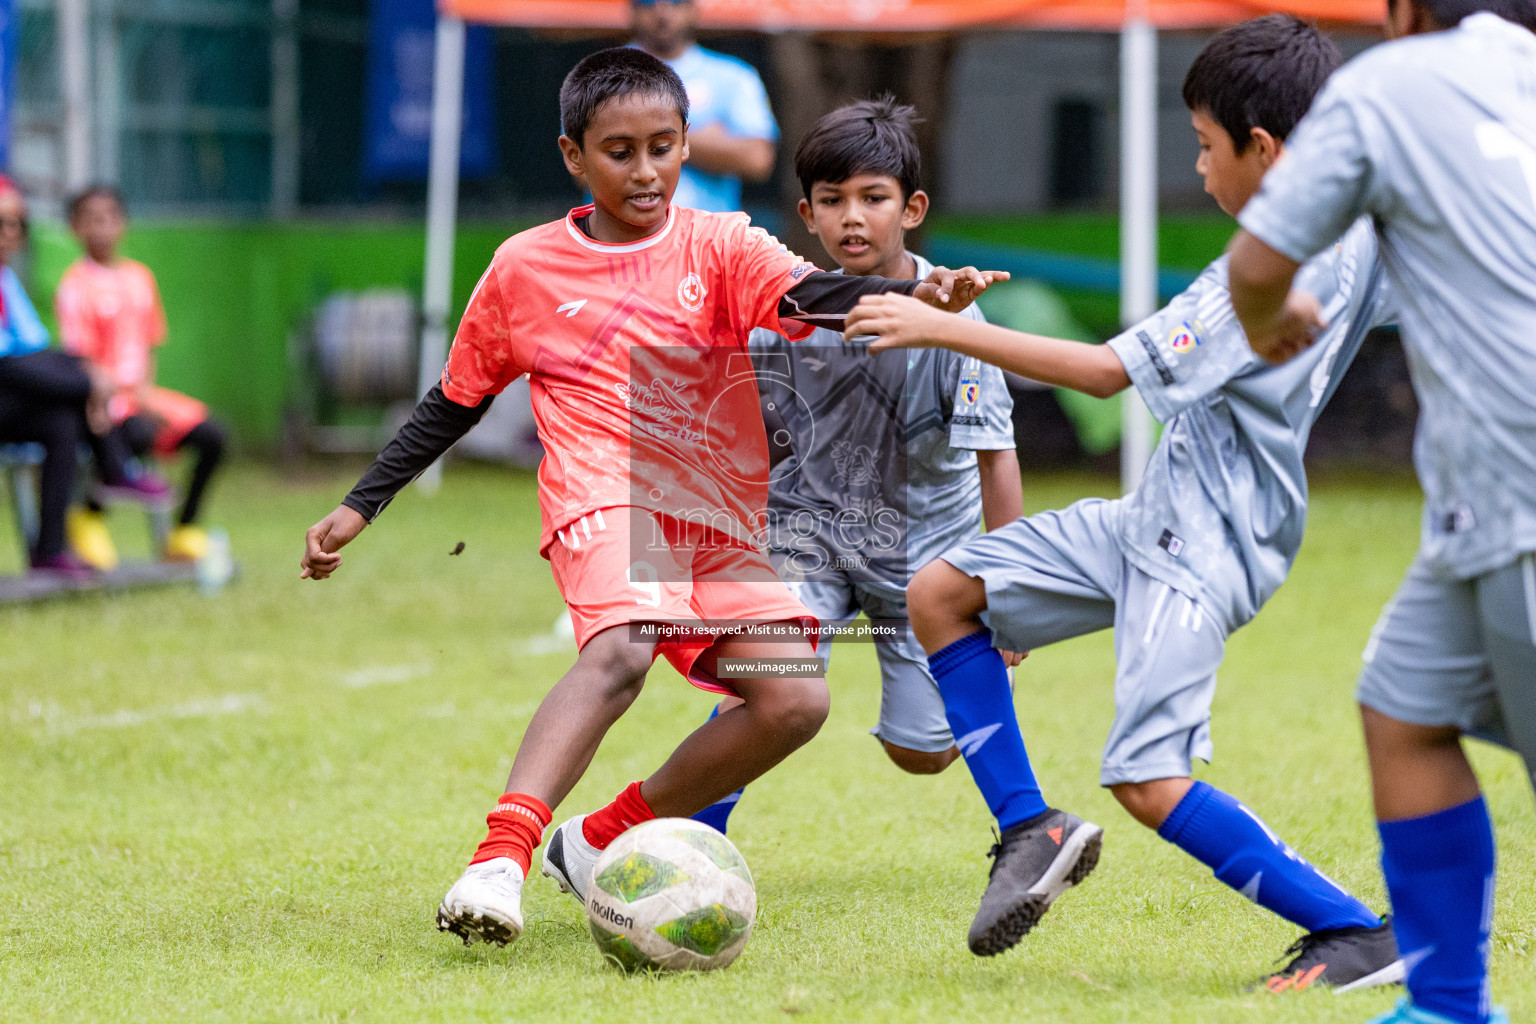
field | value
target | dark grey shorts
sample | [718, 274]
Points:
[911, 710]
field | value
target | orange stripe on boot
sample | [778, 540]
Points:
[1311, 976]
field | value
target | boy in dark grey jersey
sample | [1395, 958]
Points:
[1434, 138]
[893, 459]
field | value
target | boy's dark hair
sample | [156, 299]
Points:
[868, 137]
[1448, 13]
[609, 75]
[1262, 73]
[99, 191]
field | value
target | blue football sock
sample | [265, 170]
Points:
[1439, 872]
[718, 813]
[1230, 839]
[978, 702]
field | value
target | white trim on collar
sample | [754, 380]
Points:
[608, 248]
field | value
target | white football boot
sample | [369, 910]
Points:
[569, 858]
[485, 904]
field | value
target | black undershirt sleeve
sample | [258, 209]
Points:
[434, 427]
[825, 300]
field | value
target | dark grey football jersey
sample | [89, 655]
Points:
[883, 474]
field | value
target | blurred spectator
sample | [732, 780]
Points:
[52, 399]
[731, 133]
[110, 314]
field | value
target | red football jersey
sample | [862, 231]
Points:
[643, 389]
[112, 316]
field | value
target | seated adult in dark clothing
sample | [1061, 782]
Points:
[51, 399]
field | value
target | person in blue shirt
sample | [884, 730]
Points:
[732, 136]
[50, 399]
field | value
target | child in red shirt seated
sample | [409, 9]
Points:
[110, 313]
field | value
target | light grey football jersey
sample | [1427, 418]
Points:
[1221, 510]
[883, 475]
[1434, 137]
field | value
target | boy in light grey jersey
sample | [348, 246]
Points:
[1434, 138]
[894, 458]
[1174, 567]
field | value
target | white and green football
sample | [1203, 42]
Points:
[672, 894]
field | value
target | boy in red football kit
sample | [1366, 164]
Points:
[631, 318]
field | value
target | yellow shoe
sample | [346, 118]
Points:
[88, 537]
[186, 544]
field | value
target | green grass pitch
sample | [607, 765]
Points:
[246, 807]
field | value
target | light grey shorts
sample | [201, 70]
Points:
[1063, 574]
[911, 710]
[1461, 653]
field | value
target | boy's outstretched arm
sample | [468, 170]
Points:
[899, 322]
[434, 427]
[954, 290]
[821, 299]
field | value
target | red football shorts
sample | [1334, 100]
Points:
[628, 566]
[178, 414]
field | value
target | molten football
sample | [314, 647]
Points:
[672, 894]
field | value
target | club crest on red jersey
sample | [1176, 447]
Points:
[691, 292]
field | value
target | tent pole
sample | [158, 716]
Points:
[442, 209]
[1138, 221]
[286, 128]
[108, 90]
[75, 70]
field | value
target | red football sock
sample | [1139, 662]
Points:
[627, 810]
[516, 827]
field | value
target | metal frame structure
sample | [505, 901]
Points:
[1138, 204]
[1137, 22]
[93, 113]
